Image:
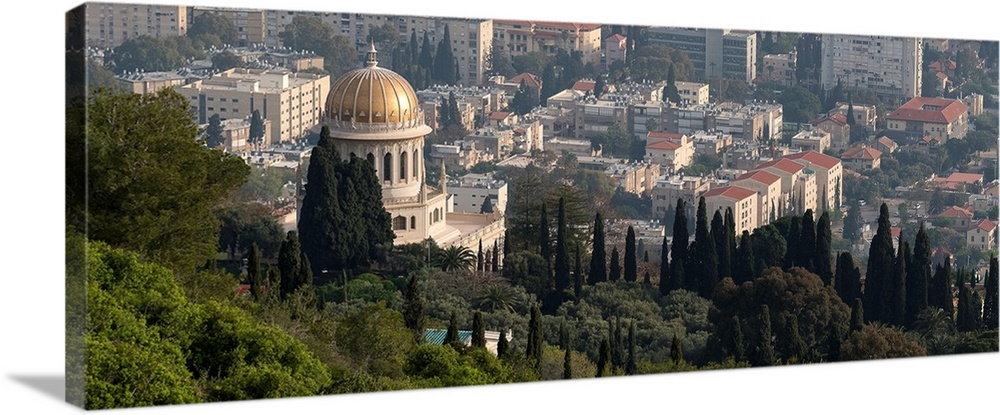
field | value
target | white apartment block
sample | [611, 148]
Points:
[111, 24]
[469, 193]
[714, 52]
[889, 66]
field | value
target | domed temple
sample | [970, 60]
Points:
[373, 112]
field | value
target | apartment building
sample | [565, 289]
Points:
[779, 68]
[889, 66]
[108, 25]
[742, 201]
[668, 189]
[829, 173]
[798, 186]
[292, 102]
[470, 192]
[746, 123]
[714, 52]
[523, 36]
[982, 235]
[920, 117]
[615, 50]
[768, 188]
[835, 124]
[675, 151]
[811, 140]
[692, 93]
[251, 24]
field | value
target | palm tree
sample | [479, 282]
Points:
[455, 258]
[496, 297]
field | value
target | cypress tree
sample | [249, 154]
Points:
[822, 261]
[807, 242]
[413, 307]
[631, 362]
[562, 255]
[990, 308]
[704, 261]
[678, 250]
[647, 282]
[254, 272]
[603, 358]
[426, 59]
[414, 49]
[834, 341]
[568, 365]
[665, 285]
[451, 336]
[737, 347]
[598, 267]
[631, 272]
[480, 260]
[444, 61]
[764, 353]
[495, 258]
[847, 281]
[730, 223]
[534, 348]
[615, 268]
[880, 264]
[256, 128]
[897, 294]
[857, 315]
[618, 350]
[965, 322]
[213, 133]
[670, 90]
[578, 280]
[305, 276]
[718, 230]
[918, 277]
[478, 330]
[792, 254]
[563, 335]
[676, 356]
[290, 263]
[744, 260]
[543, 237]
[503, 345]
[796, 346]
[940, 294]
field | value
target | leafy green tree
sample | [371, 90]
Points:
[524, 100]
[568, 365]
[246, 223]
[800, 105]
[990, 313]
[631, 273]
[702, 256]
[210, 23]
[615, 267]
[147, 53]
[151, 187]
[764, 350]
[213, 133]
[451, 335]
[769, 247]
[879, 274]
[614, 142]
[598, 267]
[879, 342]
[413, 307]
[311, 33]
[630, 363]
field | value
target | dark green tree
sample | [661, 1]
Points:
[990, 314]
[764, 342]
[703, 259]
[311, 33]
[213, 134]
[568, 364]
[721, 237]
[603, 358]
[255, 274]
[426, 59]
[503, 345]
[670, 89]
[857, 315]
[793, 238]
[495, 258]
[256, 128]
[737, 345]
[544, 242]
[879, 271]
[615, 267]
[631, 270]
[562, 271]
[444, 61]
[796, 347]
[578, 273]
[290, 264]
[918, 275]
[413, 307]
[665, 286]
[896, 313]
[598, 266]
[676, 355]
[451, 335]
[847, 281]
[822, 262]
[630, 363]
[550, 84]
[524, 100]
[204, 25]
[678, 250]
[732, 236]
[478, 330]
[744, 262]
[535, 335]
[480, 259]
[853, 222]
[940, 294]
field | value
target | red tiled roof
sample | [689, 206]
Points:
[860, 153]
[783, 165]
[660, 134]
[584, 85]
[912, 110]
[968, 178]
[664, 145]
[498, 115]
[937, 65]
[816, 158]
[955, 212]
[835, 117]
[886, 141]
[928, 139]
[760, 176]
[530, 79]
[984, 224]
[615, 38]
[896, 231]
[730, 192]
[941, 75]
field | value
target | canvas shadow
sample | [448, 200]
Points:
[54, 386]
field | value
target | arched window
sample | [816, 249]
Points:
[371, 159]
[413, 222]
[387, 167]
[402, 166]
[437, 215]
[416, 164]
[399, 223]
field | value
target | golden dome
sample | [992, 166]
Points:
[373, 95]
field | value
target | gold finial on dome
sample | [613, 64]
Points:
[372, 55]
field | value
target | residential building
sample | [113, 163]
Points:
[811, 140]
[768, 188]
[469, 193]
[885, 145]
[568, 145]
[714, 52]
[459, 155]
[779, 68]
[633, 177]
[959, 218]
[975, 104]
[958, 181]
[615, 50]
[108, 25]
[861, 158]
[798, 186]
[711, 142]
[756, 121]
[829, 174]
[742, 201]
[675, 151]
[836, 125]
[251, 24]
[864, 115]
[293, 102]
[150, 82]
[928, 144]
[886, 65]
[474, 102]
[236, 134]
[982, 235]
[692, 93]
[939, 118]
[523, 36]
[494, 143]
[668, 189]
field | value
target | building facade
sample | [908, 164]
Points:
[742, 201]
[111, 24]
[523, 36]
[714, 52]
[251, 24]
[939, 118]
[889, 66]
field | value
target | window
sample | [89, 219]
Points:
[402, 166]
[413, 222]
[399, 223]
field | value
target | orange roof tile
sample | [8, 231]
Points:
[584, 85]
[955, 212]
[730, 192]
[816, 158]
[498, 115]
[913, 110]
[967, 178]
[860, 153]
[886, 141]
[838, 118]
[664, 145]
[783, 165]
[760, 176]
[984, 224]
[529, 79]
[615, 38]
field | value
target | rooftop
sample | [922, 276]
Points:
[783, 165]
[836, 117]
[730, 192]
[760, 176]
[860, 153]
[932, 110]
[955, 212]
[816, 158]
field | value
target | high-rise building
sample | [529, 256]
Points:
[889, 66]
[111, 24]
[524, 36]
[251, 24]
[714, 52]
